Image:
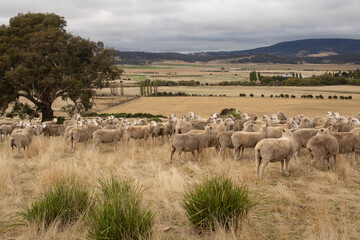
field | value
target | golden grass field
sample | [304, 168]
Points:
[310, 204]
[205, 106]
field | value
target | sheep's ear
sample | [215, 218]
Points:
[283, 130]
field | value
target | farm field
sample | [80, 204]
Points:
[212, 72]
[205, 106]
[309, 204]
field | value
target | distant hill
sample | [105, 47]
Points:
[308, 50]
[301, 48]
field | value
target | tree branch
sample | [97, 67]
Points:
[31, 98]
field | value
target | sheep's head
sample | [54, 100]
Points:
[78, 117]
[286, 132]
[191, 115]
[153, 124]
[329, 114]
[245, 116]
[215, 115]
[322, 131]
[55, 120]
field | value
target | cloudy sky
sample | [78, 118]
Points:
[197, 25]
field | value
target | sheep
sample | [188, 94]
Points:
[349, 142]
[22, 139]
[183, 126]
[301, 136]
[108, 136]
[276, 132]
[323, 146]
[224, 138]
[355, 130]
[191, 142]
[281, 116]
[82, 134]
[67, 130]
[71, 122]
[53, 130]
[242, 140]
[140, 122]
[307, 123]
[274, 150]
[159, 131]
[139, 132]
[6, 130]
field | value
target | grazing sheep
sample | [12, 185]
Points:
[301, 137]
[349, 142]
[22, 139]
[323, 146]
[53, 130]
[82, 134]
[242, 140]
[190, 142]
[108, 136]
[274, 150]
[139, 132]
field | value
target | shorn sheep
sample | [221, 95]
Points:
[274, 150]
[323, 146]
[190, 142]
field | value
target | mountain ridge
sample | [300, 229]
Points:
[322, 50]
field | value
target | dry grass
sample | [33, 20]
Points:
[205, 106]
[310, 204]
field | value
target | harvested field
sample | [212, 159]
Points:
[205, 106]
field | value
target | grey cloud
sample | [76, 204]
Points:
[197, 25]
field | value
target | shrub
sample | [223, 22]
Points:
[262, 95]
[66, 201]
[251, 95]
[216, 201]
[117, 213]
[271, 95]
[330, 97]
[335, 97]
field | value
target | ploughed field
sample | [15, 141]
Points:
[309, 204]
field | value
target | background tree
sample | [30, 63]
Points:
[253, 76]
[40, 61]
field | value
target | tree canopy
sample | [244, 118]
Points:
[40, 61]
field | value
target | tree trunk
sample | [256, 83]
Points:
[47, 112]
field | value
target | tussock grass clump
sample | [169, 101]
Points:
[117, 213]
[216, 201]
[65, 201]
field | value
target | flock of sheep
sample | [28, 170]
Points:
[275, 138]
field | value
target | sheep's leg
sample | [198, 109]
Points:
[172, 153]
[220, 151]
[242, 152]
[263, 165]
[236, 153]
[282, 167]
[180, 152]
[199, 151]
[357, 155]
[296, 153]
[258, 164]
[335, 162]
[287, 160]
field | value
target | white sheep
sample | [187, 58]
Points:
[274, 150]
